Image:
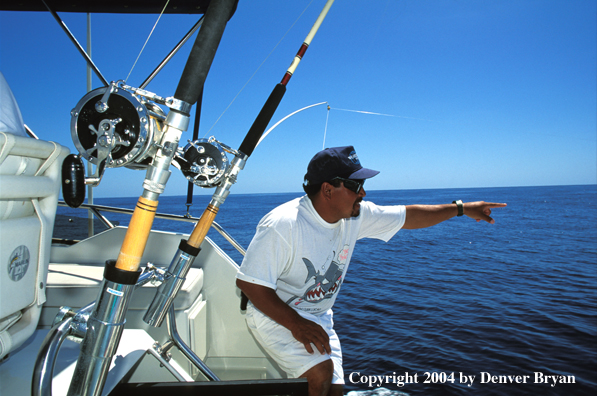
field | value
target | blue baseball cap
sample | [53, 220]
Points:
[336, 162]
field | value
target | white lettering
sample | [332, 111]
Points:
[350, 376]
[504, 379]
[464, 379]
[541, 378]
[380, 380]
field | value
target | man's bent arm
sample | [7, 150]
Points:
[305, 331]
[422, 216]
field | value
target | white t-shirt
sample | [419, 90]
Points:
[304, 258]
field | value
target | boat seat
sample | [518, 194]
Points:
[30, 172]
[76, 285]
[29, 186]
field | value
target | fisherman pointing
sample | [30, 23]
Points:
[298, 258]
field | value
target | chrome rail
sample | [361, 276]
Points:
[177, 341]
[97, 209]
[43, 371]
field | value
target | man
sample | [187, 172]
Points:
[297, 260]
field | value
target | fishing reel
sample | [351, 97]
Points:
[118, 126]
[203, 162]
[113, 127]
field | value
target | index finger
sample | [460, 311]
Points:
[495, 205]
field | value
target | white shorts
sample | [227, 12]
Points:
[289, 353]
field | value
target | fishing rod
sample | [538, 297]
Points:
[267, 112]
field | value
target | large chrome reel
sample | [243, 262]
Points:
[113, 125]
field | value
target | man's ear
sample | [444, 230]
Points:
[327, 190]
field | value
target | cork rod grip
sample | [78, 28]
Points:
[136, 236]
[202, 226]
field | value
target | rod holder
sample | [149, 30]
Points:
[174, 279]
[104, 329]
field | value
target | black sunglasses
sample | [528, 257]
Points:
[353, 185]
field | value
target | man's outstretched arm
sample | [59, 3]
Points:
[422, 216]
[305, 331]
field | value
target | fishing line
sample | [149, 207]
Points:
[259, 67]
[146, 41]
[382, 114]
[329, 108]
[366, 112]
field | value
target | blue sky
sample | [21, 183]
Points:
[475, 93]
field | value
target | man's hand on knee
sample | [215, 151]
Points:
[308, 332]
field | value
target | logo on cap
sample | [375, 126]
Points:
[354, 158]
[336, 162]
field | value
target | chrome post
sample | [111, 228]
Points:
[158, 172]
[70, 325]
[104, 329]
[174, 279]
[223, 190]
[155, 352]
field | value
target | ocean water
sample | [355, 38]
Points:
[462, 308]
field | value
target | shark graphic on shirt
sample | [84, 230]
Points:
[323, 285]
